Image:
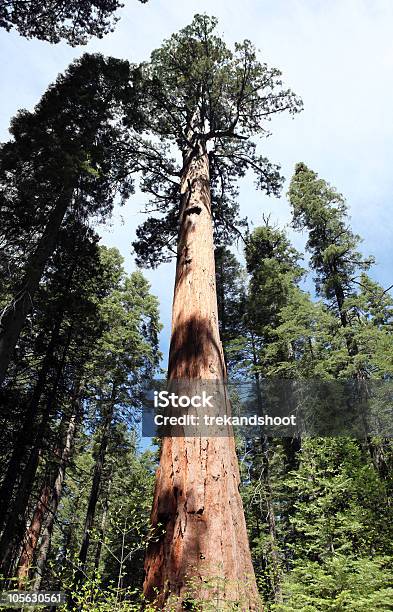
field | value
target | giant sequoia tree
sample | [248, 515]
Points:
[205, 102]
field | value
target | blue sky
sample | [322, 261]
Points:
[337, 55]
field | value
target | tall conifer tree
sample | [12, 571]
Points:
[206, 102]
[64, 157]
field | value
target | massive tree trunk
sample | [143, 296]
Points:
[14, 315]
[196, 496]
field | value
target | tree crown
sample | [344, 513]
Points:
[72, 20]
[202, 96]
[323, 212]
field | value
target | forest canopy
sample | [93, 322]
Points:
[72, 20]
[90, 508]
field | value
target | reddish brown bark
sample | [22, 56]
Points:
[47, 504]
[33, 534]
[196, 497]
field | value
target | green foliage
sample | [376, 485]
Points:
[126, 491]
[322, 211]
[342, 584]
[343, 507]
[127, 350]
[317, 510]
[93, 596]
[274, 268]
[65, 155]
[231, 295]
[201, 93]
[109, 323]
[72, 20]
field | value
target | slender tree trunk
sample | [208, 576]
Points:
[43, 551]
[101, 533]
[46, 537]
[95, 487]
[14, 315]
[197, 498]
[47, 503]
[270, 514]
[25, 436]
[32, 534]
[13, 530]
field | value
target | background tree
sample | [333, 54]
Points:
[125, 359]
[231, 295]
[72, 20]
[114, 327]
[284, 334]
[342, 281]
[340, 272]
[46, 375]
[322, 211]
[69, 146]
